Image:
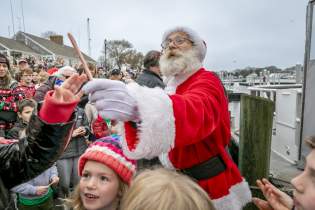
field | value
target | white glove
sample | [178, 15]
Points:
[112, 99]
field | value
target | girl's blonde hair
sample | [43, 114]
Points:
[75, 202]
[163, 189]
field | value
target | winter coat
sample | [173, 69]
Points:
[190, 127]
[44, 88]
[150, 79]
[78, 145]
[9, 98]
[39, 150]
[28, 189]
[14, 132]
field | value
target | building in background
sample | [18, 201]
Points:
[48, 50]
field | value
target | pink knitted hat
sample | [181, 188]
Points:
[108, 151]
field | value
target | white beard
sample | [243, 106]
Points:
[176, 63]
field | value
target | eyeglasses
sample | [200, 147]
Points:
[177, 41]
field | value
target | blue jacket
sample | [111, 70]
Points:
[28, 189]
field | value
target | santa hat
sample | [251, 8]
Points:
[108, 152]
[51, 71]
[66, 70]
[198, 42]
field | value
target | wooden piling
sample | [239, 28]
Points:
[256, 116]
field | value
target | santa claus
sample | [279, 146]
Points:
[187, 125]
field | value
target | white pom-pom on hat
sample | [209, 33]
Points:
[66, 71]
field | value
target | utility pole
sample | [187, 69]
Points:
[22, 15]
[105, 49]
[19, 22]
[89, 36]
[12, 17]
[9, 31]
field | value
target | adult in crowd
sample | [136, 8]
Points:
[67, 163]
[45, 140]
[56, 79]
[115, 74]
[150, 76]
[187, 124]
[22, 65]
[92, 68]
[9, 97]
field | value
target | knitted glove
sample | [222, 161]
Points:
[112, 99]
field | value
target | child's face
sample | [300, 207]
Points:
[99, 186]
[27, 78]
[304, 184]
[26, 114]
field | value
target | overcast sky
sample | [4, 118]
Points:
[238, 33]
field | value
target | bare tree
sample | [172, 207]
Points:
[121, 52]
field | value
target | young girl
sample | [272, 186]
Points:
[105, 175]
[163, 189]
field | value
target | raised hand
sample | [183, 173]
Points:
[8, 141]
[54, 180]
[69, 91]
[80, 131]
[41, 190]
[112, 99]
[276, 199]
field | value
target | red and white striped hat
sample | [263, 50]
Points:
[108, 151]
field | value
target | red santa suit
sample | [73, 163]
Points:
[186, 127]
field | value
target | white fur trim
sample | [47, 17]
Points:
[156, 132]
[238, 197]
[115, 155]
[166, 162]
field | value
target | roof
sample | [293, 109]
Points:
[55, 48]
[11, 44]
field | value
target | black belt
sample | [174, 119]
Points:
[210, 168]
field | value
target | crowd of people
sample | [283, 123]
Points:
[158, 141]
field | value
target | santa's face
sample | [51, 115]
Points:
[179, 55]
[177, 42]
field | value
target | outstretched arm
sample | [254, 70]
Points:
[47, 135]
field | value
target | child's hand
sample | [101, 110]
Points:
[7, 141]
[69, 91]
[41, 190]
[276, 199]
[54, 180]
[80, 131]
